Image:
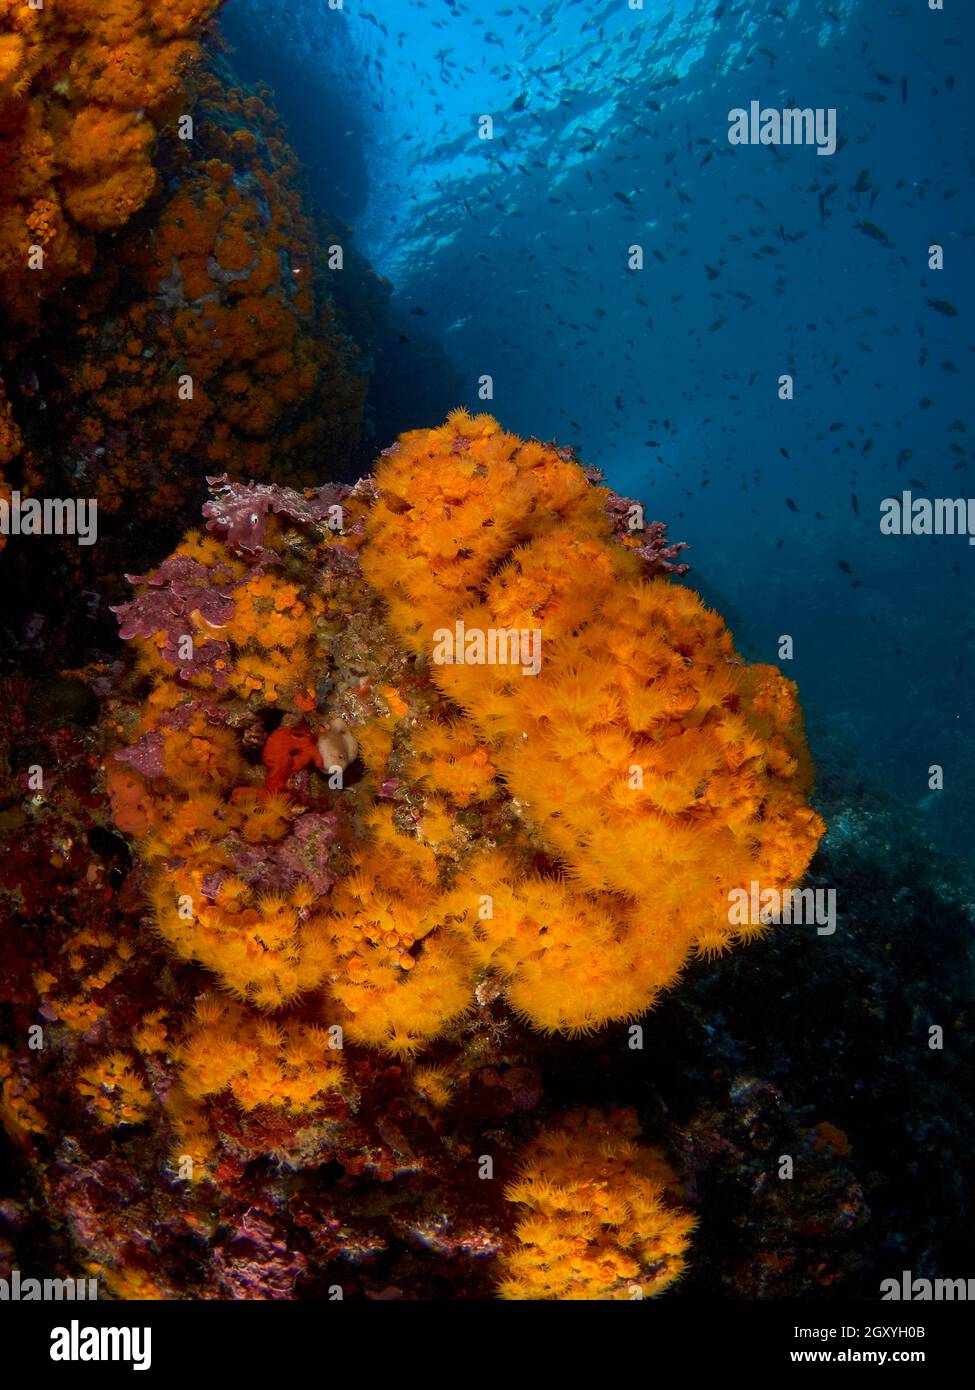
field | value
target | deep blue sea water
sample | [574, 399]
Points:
[610, 130]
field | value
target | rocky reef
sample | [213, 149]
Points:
[374, 876]
[175, 304]
[367, 847]
[305, 991]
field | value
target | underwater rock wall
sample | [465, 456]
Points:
[190, 327]
[375, 871]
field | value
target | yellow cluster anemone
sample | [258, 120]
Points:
[601, 1217]
[454, 504]
[566, 768]
[20, 1113]
[263, 947]
[655, 769]
[290, 1065]
[115, 1090]
[87, 963]
[84, 90]
[404, 975]
[570, 962]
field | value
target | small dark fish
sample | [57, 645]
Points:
[844, 567]
[854, 503]
[404, 339]
[718, 323]
[622, 198]
[712, 273]
[420, 313]
[784, 452]
[862, 184]
[943, 307]
[791, 505]
[904, 456]
[870, 229]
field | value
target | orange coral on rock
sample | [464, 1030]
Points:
[570, 836]
[371, 873]
[261, 1063]
[83, 87]
[204, 334]
[20, 1113]
[655, 768]
[602, 1219]
[116, 1092]
[229, 354]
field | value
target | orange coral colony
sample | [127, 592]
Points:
[601, 1218]
[566, 829]
[654, 769]
[82, 90]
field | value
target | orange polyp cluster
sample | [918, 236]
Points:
[266, 948]
[393, 995]
[567, 839]
[115, 1091]
[290, 1065]
[602, 1221]
[570, 962]
[201, 340]
[452, 759]
[657, 770]
[83, 85]
[87, 962]
[446, 516]
[20, 1113]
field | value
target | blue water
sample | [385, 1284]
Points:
[610, 129]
